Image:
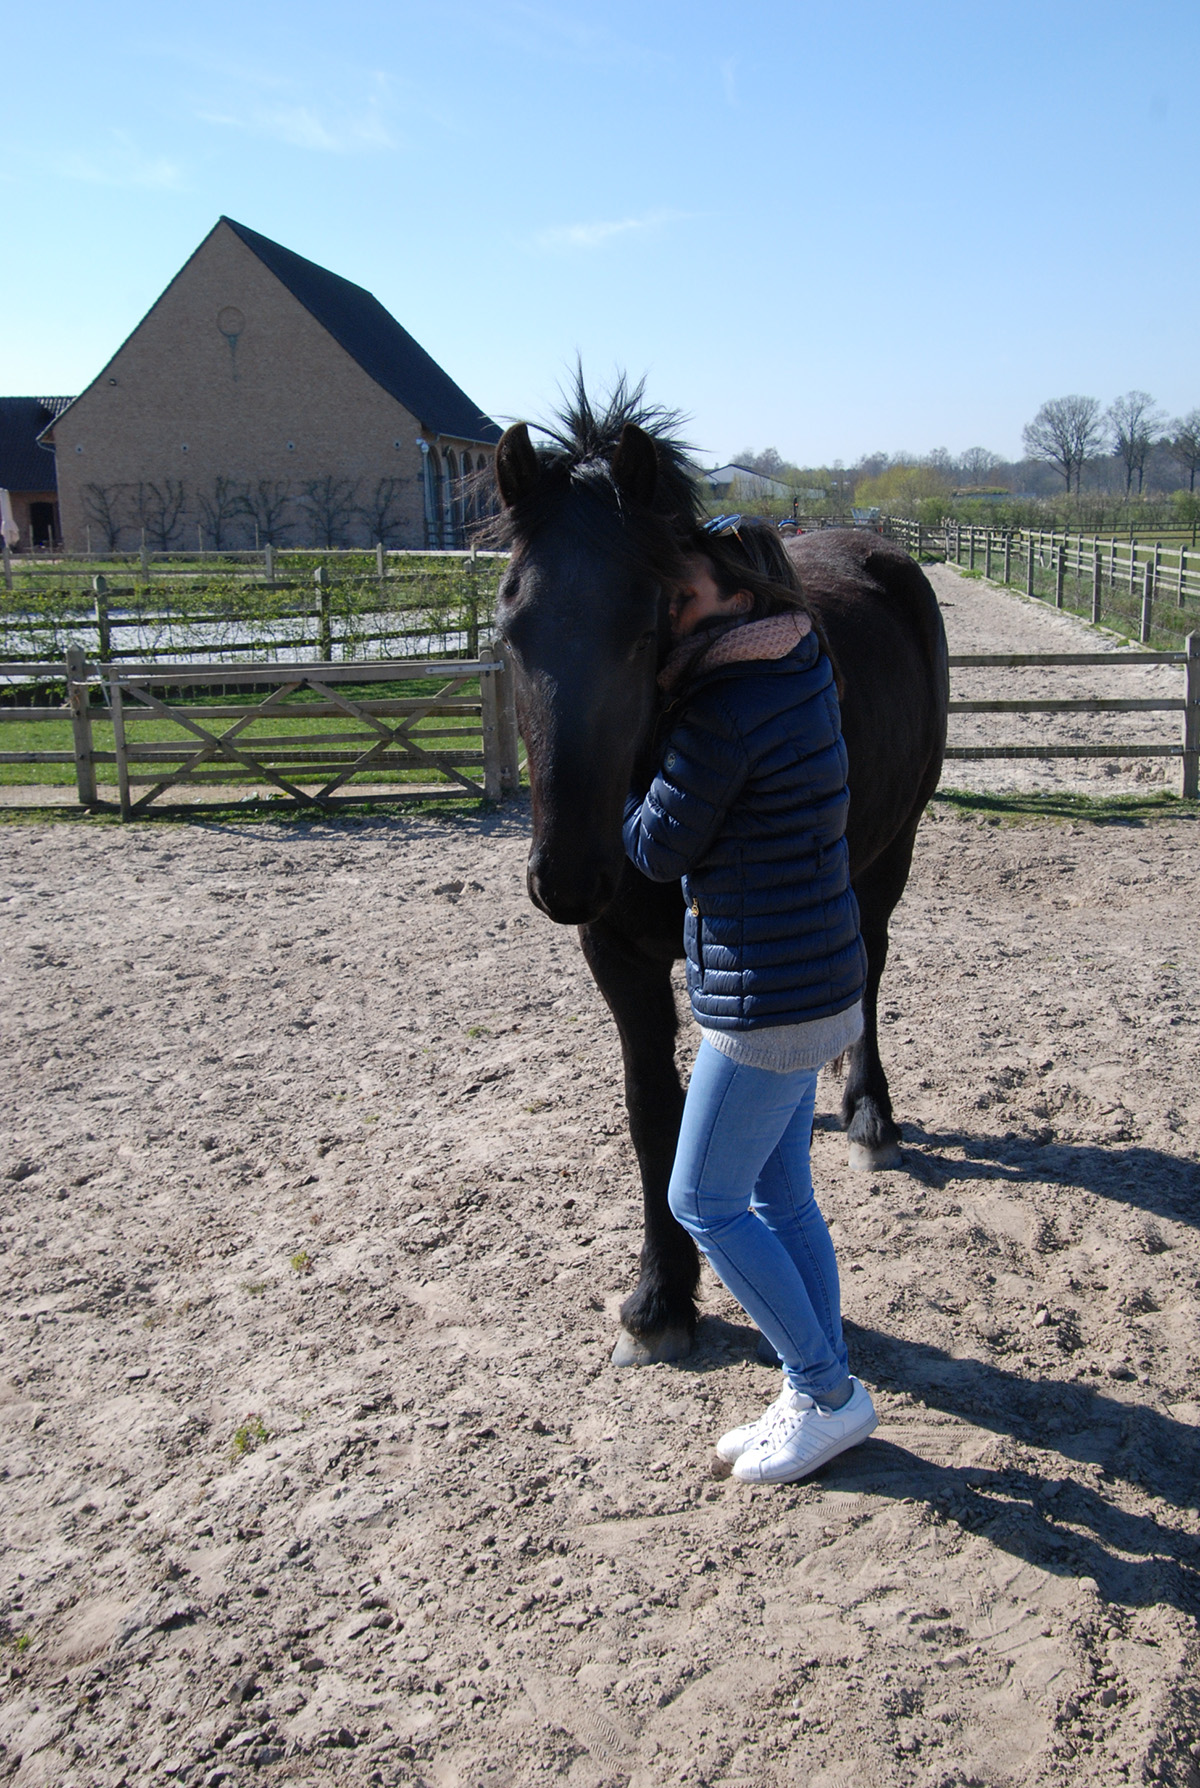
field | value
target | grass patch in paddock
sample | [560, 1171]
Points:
[1057, 807]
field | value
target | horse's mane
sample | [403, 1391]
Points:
[576, 453]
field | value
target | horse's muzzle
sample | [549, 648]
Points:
[573, 896]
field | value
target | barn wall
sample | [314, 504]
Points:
[230, 377]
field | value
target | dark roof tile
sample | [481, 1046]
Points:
[373, 337]
[23, 464]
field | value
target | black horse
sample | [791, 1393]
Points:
[597, 521]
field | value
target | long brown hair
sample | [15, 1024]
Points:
[751, 556]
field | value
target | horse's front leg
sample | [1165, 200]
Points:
[659, 1316]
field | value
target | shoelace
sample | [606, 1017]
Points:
[782, 1418]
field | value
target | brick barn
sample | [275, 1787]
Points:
[265, 398]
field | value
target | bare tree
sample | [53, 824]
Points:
[976, 463]
[227, 503]
[770, 463]
[1183, 444]
[1066, 433]
[267, 502]
[381, 511]
[1136, 425]
[330, 506]
[102, 509]
[158, 508]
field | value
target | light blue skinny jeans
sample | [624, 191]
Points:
[742, 1187]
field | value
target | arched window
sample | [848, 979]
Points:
[433, 498]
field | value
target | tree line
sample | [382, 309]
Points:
[1073, 439]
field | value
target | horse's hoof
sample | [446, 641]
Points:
[865, 1159]
[660, 1350]
[766, 1353]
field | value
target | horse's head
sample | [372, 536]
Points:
[583, 608]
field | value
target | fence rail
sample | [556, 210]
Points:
[391, 734]
[386, 736]
[1187, 750]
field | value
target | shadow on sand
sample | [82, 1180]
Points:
[1056, 1521]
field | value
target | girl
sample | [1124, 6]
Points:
[748, 806]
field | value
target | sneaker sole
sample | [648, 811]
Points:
[794, 1474]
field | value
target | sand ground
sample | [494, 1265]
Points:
[317, 1210]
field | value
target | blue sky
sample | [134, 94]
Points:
[830, 229]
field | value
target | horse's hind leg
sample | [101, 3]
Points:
[873, 1133]
[659, 1316]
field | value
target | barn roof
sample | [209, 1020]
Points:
[23, 464]
[372, 336]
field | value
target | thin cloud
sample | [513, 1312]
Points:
[542, 32]
[356, 128]
[595, 235]
[121, 163]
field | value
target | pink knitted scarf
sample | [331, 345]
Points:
[762, 640]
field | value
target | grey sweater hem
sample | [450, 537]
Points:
[787, 1048]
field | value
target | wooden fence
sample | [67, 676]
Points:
[1186, 704]
[1151, 577]
[217, 743]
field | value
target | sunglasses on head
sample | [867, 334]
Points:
[724, 524]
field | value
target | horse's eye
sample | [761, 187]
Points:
[645, 642]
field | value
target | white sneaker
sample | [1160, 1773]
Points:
[731, 1446]
[800, 1437]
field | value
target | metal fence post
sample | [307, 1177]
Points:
[1147, 601]
[1183, 553]
[1059, 568]
[1029, 570]
[987, 553]
[971, 549]
[380, 569]
[269, 562]
[1190, 787]
[7, 565]
[81, 726]
[1096, 586]
[1008, 555]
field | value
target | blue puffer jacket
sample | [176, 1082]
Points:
[749, 807]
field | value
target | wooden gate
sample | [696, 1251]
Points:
[380, 735]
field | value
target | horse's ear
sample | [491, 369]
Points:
[635, 464]
[517, 468]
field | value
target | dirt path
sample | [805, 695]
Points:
[317, 1210]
